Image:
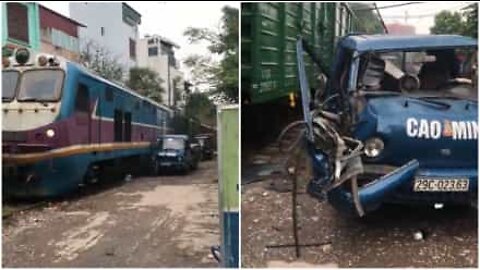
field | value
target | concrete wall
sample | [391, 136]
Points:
[116, 32]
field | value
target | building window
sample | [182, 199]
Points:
[133, 49]
[150, 41]
[153, 51]
[17, 21]
[102, 31]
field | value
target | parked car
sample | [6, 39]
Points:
[207, 146]
[177, 152]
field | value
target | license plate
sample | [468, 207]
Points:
[166, 163]
[423, 184]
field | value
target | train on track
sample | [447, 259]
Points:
[63, 126]
[269, 82]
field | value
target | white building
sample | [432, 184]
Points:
[113, 26]
[157, 53]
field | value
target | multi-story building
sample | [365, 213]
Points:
[158, 54]
[113, 26]
[59, 34]
[20, 26]
[38, 28]
[400, 29]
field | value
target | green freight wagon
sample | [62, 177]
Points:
[270, 91]
[269, 84]
[268, 35]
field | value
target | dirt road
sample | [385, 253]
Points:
[165, 221]
[383, 239]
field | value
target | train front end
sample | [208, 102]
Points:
[31, 104]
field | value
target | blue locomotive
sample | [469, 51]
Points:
[63, 125]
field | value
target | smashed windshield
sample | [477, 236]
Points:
[173, 143]
[9, 84]
[446, 72]
[40, 85]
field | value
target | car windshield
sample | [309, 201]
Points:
[173, 143]
[9, 84]
[441, 73]
[40, 85]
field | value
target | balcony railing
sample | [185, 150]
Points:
[60, 39]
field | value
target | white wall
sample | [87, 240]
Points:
[116, 32]
[159, 63]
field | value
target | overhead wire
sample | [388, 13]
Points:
[390, 6]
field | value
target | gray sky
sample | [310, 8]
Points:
[420, 15]
[170, 19]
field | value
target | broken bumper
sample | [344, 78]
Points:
[398, 187]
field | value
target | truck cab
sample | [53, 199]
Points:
[206, 145]
[176, 151]
[397, 122]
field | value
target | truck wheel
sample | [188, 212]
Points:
[156, 168]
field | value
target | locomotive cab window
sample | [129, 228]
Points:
[41, 85]
[82, 99]
[9, 84]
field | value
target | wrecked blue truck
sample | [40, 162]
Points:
[396, 122]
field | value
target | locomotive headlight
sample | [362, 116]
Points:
[373, 147]
[5, 62]
[22, 56]
[50, 133]
[42, 60]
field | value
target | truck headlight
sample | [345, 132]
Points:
[373, 147]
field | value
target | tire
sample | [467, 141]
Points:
[185, 170]
[156, 168]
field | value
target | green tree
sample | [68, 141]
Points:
[221, 75]
[447, 22]
[471, 14]
[199, 106]
[146, 82]
[99, 60]
[460, 23]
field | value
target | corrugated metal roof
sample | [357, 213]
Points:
[62, 17]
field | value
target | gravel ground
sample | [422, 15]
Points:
[165, 221]
[383, 239]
